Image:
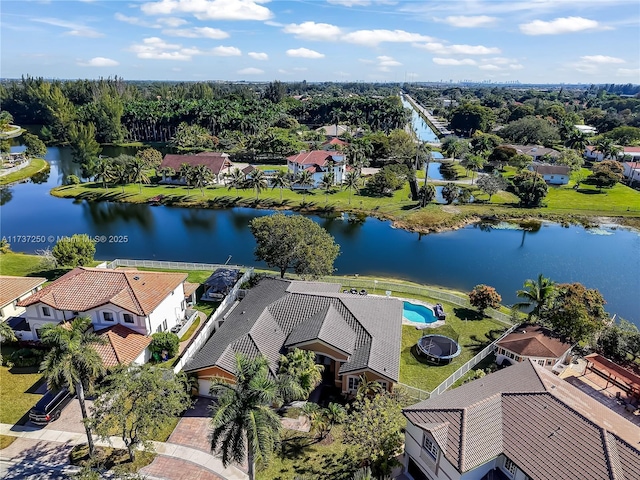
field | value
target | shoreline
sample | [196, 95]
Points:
[25, 173]
[449, 217]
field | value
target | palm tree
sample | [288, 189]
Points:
[73, 362]
[367, 387]
[185, 173]
[473, 163]
[576, 140]
[6, 335]
[352, 182]
[244, 424]
[257, 181]
[305, 178]
[281, 180]
[202, 175]
[536, 294]
[236, 179]
[103, 171]
[137, 171]
[326, 183]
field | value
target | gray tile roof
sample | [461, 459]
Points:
[277, 314]
[531, 416]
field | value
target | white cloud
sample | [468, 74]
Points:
[304, 53]
[211, 9]
[154, 48]
[373, 38]
[359, 3]
[132, 20]
[172, 22]
[258, 55]
[72, 28]
[314, 31]
[385, 63]
[197, 32]
[489, 66]
[516, 66]
[226, 51]
[626, 72]
[463, 21]
[99, 62]
[453, 61]
[442, 49]
[558, 26]
[601, 59]
[250, 71]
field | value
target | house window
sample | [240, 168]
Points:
[164, 325]
[549, 361]
[128, 318]
[430, 446]
[75, 313]
[354, 383]
[510, 466]
[541, 363]
[108, 316]
[551, 177]
[383, 384]
[46, 311]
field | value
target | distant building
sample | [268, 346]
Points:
[333, 130]
[521, 423]
[631, 171]
[217, 162]
[536, 152]
[532, 342]
[334, 144]
[552, 174]
[319, 163]
[586, 129]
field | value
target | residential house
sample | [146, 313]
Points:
[536, 152]
[319, 163]
[218, 163]
[330, 131]
[586, 129]
[15, 289]
[520, 423]
[631, 171]
[592, 154]
[532, 342]
[552, 174]
[141, 301]
[334, 144]
[123, 346]
[352, 335]
[631, 154]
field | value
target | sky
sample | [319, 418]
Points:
[530, 41]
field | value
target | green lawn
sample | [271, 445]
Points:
[192, 329]
[25, 265]
[6, 440]
[37, 165]
[17, 387]
[297, 458]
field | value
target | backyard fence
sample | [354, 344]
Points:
[123, 262]
[205, 332]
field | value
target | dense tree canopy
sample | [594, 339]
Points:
[530, 188]
[531, 131]
[294, 242]
[74, 251]
[470, 117]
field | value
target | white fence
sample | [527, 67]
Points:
[206, 331]
[7, 171]
[123, 262]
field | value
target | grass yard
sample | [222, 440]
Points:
[296, 458]
[6, 440]
[37, 165]
[191, 329]
[25, 265]
[17, 387]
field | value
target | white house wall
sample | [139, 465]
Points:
[11, 309]
[171, 309]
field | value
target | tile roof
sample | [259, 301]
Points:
[631, 149]
[333, 130]
[530, 415]
[122, 346]
[315, 157]
[278, 313]
[84, 288]
[550, 169]
[535, 150]
[189, 288]
[335, 141]
[12, 288]
[215, 161]
[534, 341]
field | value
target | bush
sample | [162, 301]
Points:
[483, 297]
[26, 357]
[74, 251]
[73, 180]
[164, 342]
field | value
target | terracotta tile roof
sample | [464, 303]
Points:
[633, 165]
[631, 149]
[248, 169]
[530, 415]
[335, 141]
[12, 288]
[83, 288]
[534, 341]
[189, 288]
[214, 160]
[315, 157]
[123, 345]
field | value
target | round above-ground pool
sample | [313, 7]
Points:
[438, 348]
[416, 313]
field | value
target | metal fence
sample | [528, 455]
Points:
[124, 262]
[199, 340]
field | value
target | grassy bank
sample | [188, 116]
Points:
[36, 165]
[563, 204]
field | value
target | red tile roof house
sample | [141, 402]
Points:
[126, 306]
[14, 289]
[334, 144]
[218, 163]
[631, 171]
[532, 342]
[318, 162]
[520, 423]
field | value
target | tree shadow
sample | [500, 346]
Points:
[42, 460]
[588, 191]
[464, 313]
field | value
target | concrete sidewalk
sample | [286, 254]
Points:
[198, 457]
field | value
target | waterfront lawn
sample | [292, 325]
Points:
[17, 387]
[25, 265]
[474, 334]
[36, 165]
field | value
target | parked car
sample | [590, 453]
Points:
[50, 406]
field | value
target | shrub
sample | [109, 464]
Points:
[164, 341]
[26, 357]
[74, 251]
[483, 297]
[73, 180]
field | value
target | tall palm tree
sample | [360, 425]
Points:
[280, 181]
[104, 172]
[185, 173]
[352, 182]
[305, 178]
[326, 184]
[202, 175]
[536, 294]
[473, 163]
[244, 424]
[73, 362]
[6, 335]
[235, 179]
[138, 171]
[257, 181]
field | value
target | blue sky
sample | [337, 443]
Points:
[533, 41]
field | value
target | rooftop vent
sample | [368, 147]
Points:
[136, 278]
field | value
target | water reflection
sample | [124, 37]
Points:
[199, 219]
[110, 214]
[6, 194]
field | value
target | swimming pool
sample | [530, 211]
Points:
[418, 313]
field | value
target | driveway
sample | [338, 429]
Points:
[193, 428]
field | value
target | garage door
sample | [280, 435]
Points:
[204, 386]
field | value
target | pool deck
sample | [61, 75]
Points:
[420, 325]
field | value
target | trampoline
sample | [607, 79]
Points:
[438, 349]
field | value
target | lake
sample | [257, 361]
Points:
[502, 256]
